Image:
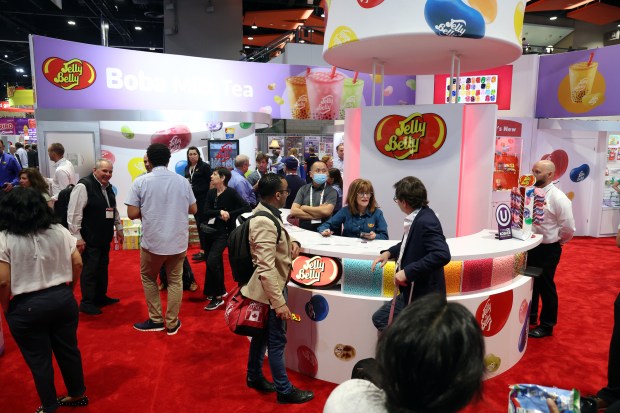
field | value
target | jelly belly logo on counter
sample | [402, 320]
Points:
[414, 137]
[493, 313]
[74, 74]
[316, 272]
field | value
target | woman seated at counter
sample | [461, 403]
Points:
[361, 217]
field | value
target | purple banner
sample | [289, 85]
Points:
[581, 83]
[81, 76]
[7, 126]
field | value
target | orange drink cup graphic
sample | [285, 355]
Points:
[324, 94]
[298, 97]
[351, 95]
[581, 77]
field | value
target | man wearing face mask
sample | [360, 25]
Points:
[315, 202]
[557, 229]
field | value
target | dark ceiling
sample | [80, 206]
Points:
[19, 18]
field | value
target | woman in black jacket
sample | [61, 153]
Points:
[198, 173]
[222, 208]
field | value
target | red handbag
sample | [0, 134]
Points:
[245, 316]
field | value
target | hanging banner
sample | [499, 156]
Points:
[72, 75]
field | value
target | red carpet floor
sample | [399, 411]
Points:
[202, 368]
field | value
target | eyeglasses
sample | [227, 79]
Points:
[364, 194]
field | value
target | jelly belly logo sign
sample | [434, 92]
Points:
[74, 74]
[414, 137]
[316, 272]
[493, 313]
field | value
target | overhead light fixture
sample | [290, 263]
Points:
[323, 15]
[25, 75]
[71, 22]
[6, 56]
[246, 47]
[19, 70]
[151, 48]
[250, 38]
[302, 41]
[138, 28]
[577, 4]
[254, 26]
[251, 58]
[553, 18]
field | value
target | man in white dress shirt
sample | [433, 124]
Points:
[64, 174]
[21, 154]
[557, 228]
[339, 161]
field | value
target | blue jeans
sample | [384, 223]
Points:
[273, 340]
[381, 317]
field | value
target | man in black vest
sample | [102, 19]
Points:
[92, 217]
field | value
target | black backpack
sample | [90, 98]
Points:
[239, 252]
[62, 205]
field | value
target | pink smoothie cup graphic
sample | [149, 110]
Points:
[298, 97]
[581, 77]
[351, 95]
[324, 94]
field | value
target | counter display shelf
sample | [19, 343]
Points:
[334, 330]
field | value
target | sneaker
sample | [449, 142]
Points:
[173, 331]
[149, 325]
[296, 396]
[215, 303]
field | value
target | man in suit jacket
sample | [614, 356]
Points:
[268, 286]
[420, 256]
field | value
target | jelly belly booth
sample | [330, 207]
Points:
[123, 100]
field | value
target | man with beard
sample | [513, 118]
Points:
[556, 229]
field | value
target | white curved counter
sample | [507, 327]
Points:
[334, 330]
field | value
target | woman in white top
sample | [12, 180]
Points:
[39, 268]
[429, 360]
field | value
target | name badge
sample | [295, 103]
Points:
[211, 221]
[109, 213]
[315, 221]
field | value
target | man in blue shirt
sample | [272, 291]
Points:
[238, 181]
[9, 171]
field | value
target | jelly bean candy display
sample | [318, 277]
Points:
[454, 18]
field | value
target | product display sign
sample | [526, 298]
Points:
[579, 83]
[72, 75]
[316, 271]
[416, 136]
[222, 153]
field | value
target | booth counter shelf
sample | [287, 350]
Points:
[334, 329]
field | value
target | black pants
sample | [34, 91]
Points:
[200, 218]
[94, 278]
[381, 317]
[42, 323]
[547, 257]
[214, 276]
[611, 393]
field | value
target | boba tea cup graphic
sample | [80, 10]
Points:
[581, 78]
[324, 94]
[298, 97]
[351, 94]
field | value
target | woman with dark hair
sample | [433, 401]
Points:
[429, 360]
[198, 173]
[222, 208]
[361, 218]
[39, 269]
[334, 179]
[32, 178]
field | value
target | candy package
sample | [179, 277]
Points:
[532, 398]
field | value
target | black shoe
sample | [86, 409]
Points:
[540, 332]
[74, 402]
[199, 257]
[106, 301]
[90, 309]
[262, 385]
[296, 396]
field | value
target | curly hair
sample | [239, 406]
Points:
[36, 179]
[158, 154]
[431, 358]
[23, 211]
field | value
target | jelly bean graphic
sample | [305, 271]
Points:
[214, 126]
[342, 35]
[266, 109]
[278, 100]
[523, 310]
[523, 337]
[454, 18]
[180, 167]
[114, 190]
[307, 362]
[388, 91]
[271, 86]
[593, 99]
[344, 352]
[135, 166]
[127, 132]
[580, 173]
[518, 20]
[105, 154]
[492, 362]
[570, 195]
[488, 8]
[176, 138]
[410, 84]
[369, 4]
[317, 308]
[245, 125]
